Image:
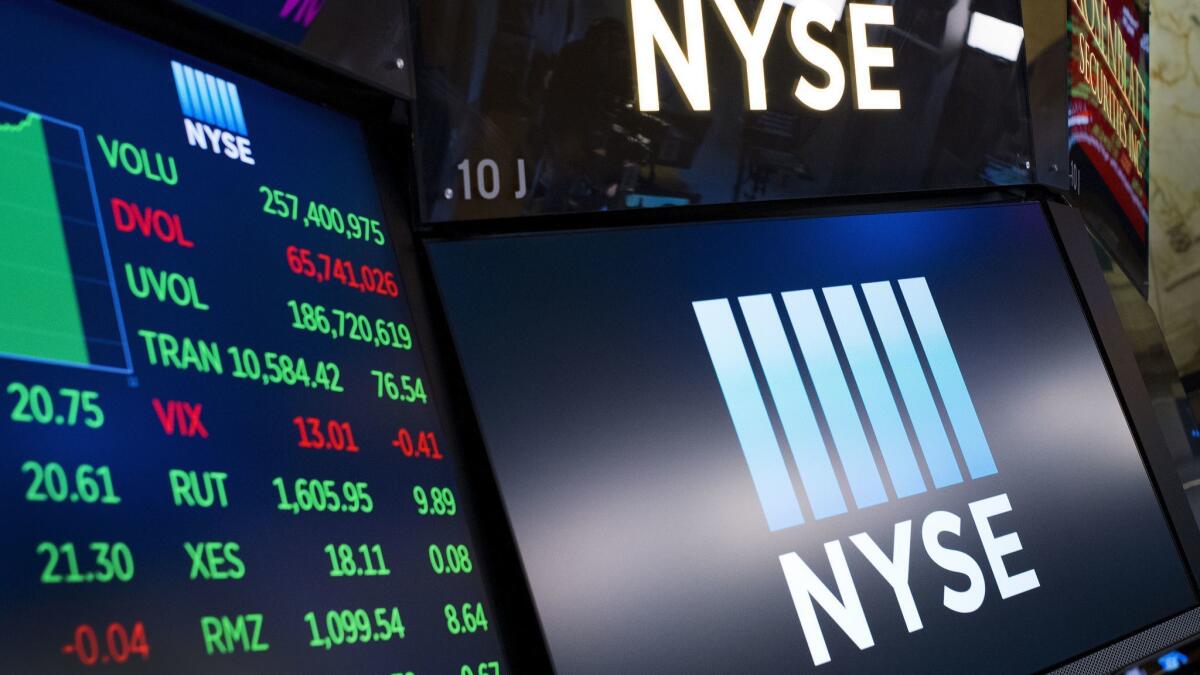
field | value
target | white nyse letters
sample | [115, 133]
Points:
[865, 96]
[894, 570]
[688, 64]
[963, 602]
[650, 29]
[752, 45]
[817, 98]
[998, 547]
[848, 612]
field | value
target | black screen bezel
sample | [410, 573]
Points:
[383, 119]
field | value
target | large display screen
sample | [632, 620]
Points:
[220, 451]
[878, 443]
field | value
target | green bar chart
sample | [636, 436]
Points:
[39, 311]
[57, 300]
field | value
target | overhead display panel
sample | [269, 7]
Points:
[866, 444]
[587, 105]
[221, 451]
[370, 39]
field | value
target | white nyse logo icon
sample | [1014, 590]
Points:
[814, 460]
[688, 63]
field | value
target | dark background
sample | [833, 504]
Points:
[643, 539]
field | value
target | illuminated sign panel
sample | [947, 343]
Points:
[847, 444]
[1109, 127]
[529, 107]
[651, 31]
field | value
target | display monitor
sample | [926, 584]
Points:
[221, 451]
[866, 443]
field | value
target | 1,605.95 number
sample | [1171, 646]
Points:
[323, 496]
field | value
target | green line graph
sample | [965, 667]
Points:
[39, 308]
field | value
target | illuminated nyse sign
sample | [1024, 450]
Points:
[212, 110]
[688, 62]
[813, 460]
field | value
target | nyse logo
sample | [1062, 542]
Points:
[815, 463]
[688, 62]
[212, 110]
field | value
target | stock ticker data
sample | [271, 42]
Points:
[220, 452]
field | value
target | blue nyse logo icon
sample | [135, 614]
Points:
[212, 110]
[798, 415]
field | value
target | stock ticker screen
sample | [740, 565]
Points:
[220, 452]
[878, 443]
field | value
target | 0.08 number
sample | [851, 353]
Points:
[35, 404]
[112, 561]
[467, 619]
[49, 482]
[436, 501]
[452, 559]
[323, 496]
